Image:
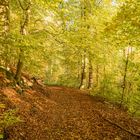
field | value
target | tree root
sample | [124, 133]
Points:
[121, 127]
[118, 125]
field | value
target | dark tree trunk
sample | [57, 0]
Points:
[97, 75]
[23, 31]
[90, 82]
[124, 77]
[19, 69]
[104, 83]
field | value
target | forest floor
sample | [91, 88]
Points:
[60, 113]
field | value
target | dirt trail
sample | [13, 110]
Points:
[58, 113]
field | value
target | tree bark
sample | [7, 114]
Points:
[90, 82]
[83, 73]
[84, 16]
[124, 78]
[97, 75]
[23, 31]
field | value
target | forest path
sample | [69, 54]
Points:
[59, 113]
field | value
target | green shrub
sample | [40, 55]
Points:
[8, 118]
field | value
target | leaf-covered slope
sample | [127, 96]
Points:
[62, 114]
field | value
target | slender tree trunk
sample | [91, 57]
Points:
[23, 31]
[83, 72]
[84, 19]
[90, 82]
[97, 75]
[124, 77]
[79, 69]
[104, 83]
[19, 68]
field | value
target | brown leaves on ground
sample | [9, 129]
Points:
[58, 113]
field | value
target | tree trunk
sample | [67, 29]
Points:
[83, 73]
[97, 75]
[104, 81]
[19, 68]
[90, 82]
[124, 78]
[23, 31]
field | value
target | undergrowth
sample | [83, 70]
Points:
[7, 118]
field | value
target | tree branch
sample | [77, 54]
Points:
[22, 7]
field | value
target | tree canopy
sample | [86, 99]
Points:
[89, 44]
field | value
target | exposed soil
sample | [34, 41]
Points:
[59, 113]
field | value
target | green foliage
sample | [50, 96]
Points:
[63, 35]
[7, 119]
[1, 136]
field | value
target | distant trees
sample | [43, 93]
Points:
[121, 35]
